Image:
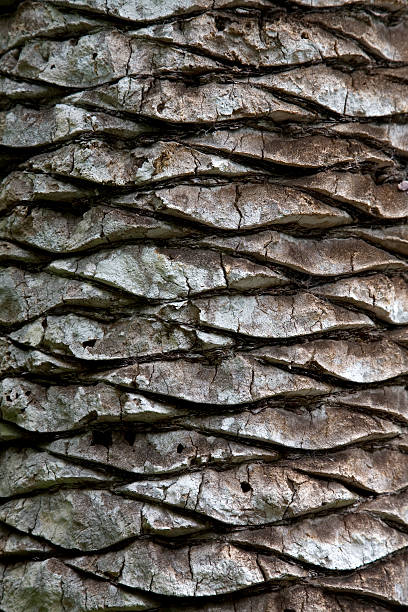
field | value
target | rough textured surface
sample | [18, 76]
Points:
[350, 96]
[288, 598]
[209, 569]
[238, 206]
[156, 453]
[98, 226]
[90, 520]
[33, 128]
[52, 581]
[13, 544]
[392, 507]
[359, 191]
[392, 400]
[25, 295]
[235, 380]
[341, 542]
[323, 427]
[266, 316]
[64, 64]
[44, 408]
[24, 470]
[165, 273]
[361, 362]
[377, 470]
[26, 187]
[203, 305]
[283, 151]
[251, 494]
[385, 40]
[389, 134]
[88, 339]
[14, 360]
[176, 102]
[386, 581]
[325, 257]
[240, 40]
[384, 296]
[93, 161]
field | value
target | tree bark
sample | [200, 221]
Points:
[204, 305]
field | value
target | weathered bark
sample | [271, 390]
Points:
[204, 305]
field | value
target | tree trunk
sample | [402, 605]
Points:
[204, 302]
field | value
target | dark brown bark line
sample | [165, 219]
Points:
[203, 291]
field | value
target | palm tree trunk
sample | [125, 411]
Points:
[204, 301]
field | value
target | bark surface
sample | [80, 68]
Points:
[203, 305]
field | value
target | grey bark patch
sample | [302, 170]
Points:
[25, 470]
[342, 542]
[90, 520]
[31, 583]
[254, 494]
[157, 453]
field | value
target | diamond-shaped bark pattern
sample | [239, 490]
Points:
[203, 305]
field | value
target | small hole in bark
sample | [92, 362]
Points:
[90, 343]
[8, 398]
[289, 610]
[180, 448]
[101, 438]
[246, 487]
[130, 437]
[219, 24]
[52, 67]
[160, 107]
[94, 55]
[304, 35]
